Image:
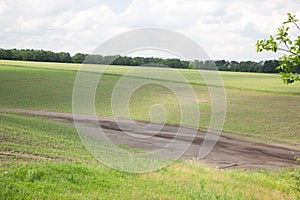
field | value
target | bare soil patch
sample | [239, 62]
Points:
[229, 152]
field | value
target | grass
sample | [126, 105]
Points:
[232, 80]
[181, 181]
[45, 160]
[32, 136]
[40, 159]
[258, 105]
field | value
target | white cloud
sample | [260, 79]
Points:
[251, 30]
[225, 29]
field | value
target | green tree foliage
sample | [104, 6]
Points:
[283, 41]
[222, 65]
[34, 55]
[78, 57]
[270, 66]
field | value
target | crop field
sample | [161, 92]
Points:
[44, 160]
[41, 159]
[258, 105]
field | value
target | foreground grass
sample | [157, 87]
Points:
[258, 105]
[65, 180]
[44, 160]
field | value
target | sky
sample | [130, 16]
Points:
[225, 29]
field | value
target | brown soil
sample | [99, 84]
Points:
[229, 152]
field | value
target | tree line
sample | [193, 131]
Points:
[34, 55]
[269, 66]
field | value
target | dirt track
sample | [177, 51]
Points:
[230, 152]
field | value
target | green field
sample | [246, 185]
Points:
[45, 160]
[258, 105]
[232, 80]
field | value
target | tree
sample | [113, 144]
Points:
[65, 57]
[269, 66]
[283, 41]
[79, 57]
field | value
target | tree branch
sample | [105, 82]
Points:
[289, 51]
[296, 25]
[287, 46]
